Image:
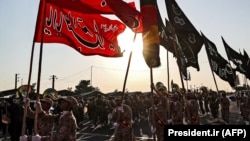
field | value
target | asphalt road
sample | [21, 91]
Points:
[141, 129]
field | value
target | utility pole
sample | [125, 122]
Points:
[16, 80]
[53, 77]
[91, 76]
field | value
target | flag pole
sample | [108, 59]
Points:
[183, 86]
[182, 83]
[178, 56]
[41, 5]
[39, 72]
[152, 100]
[168, 72]
[188, 77]
[126, 75]
[128, 66]
[214, 78]
[213, 74]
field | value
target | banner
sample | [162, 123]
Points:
[188, 37]
[151, 41]
[89, 34]
[218, 64]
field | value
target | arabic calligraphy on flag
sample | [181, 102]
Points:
[189, 38]
[126, 12]
[218, 64]
[235, 57]
[89, 34]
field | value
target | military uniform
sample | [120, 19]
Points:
[66, 127]
[225, 104]
[214, 105]
[45, 123]
[206, 102]
[245, 111]
[201, 104]
[176, 115]
[121, 117]
[66, 122]
[158, 117]
[192, 111]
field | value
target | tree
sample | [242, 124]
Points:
[83, 86]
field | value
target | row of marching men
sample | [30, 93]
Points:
[166, 109]
[174, 108]
[243, 103]
[124, 110]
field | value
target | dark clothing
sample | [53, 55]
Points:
[16, 116]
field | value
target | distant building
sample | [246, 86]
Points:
[7, 93]
[65, 93]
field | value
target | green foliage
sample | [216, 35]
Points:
[83, 86]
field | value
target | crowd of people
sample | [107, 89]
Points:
[58, 119]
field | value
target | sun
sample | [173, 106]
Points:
[135, 47]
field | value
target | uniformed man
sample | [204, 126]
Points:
[45, 125]
[214, 105]
[176, 114]
[157, 118]
[191, 111]
[122, 117]
[225, 104]
[245, 111]
[66, 127]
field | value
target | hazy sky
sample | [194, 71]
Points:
[215, 18]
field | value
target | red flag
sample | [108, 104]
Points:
[85, 6]
[126, 12]
[89, 34]
[151, 41]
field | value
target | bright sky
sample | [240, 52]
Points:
[227, 18]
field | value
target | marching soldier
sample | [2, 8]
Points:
[122, 117]
[206, 102]
[161, 91]
[225, 104]
[245, 111]
[238, 99]
[243, 98]
[157, 118]
[66, 128]
[214, 105]
[45, 125]
[192, 110]
[176, 115]
[111, 106]
[200, 102]
[99, 109]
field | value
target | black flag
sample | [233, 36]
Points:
[165, 33]
[218, 64]
[189, 38]
[235, 57]
[169, 42]
[247, 64]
